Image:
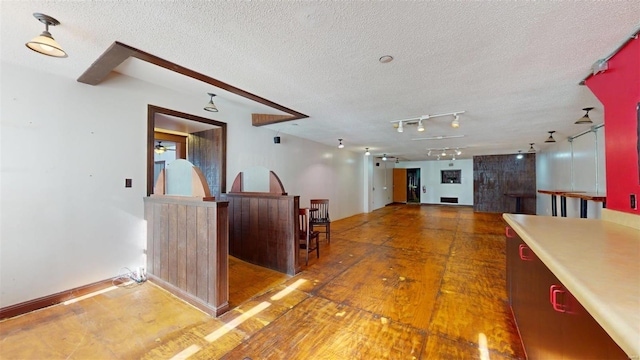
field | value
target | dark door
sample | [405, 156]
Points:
[413, 185]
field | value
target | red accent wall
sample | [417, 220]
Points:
[618, 89]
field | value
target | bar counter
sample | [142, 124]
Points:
[599, 263]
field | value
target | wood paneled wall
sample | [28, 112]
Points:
[262, 230]
[206, 152]
[187, 250]
[497, 175]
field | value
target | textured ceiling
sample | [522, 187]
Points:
[513, 66]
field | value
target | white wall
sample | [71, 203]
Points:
[66, 219]
[430, 178]
[576, 166]
[382, 183]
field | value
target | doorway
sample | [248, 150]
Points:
[413, 186]
[200, 140]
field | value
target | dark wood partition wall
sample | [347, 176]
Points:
[498, 179]
[262, 230]
[187, 250]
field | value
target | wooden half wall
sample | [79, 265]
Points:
[263, 229]
[187, 250]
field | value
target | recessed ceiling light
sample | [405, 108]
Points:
[386, 59]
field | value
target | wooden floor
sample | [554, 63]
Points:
[403, 282]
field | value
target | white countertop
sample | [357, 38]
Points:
[598, 262]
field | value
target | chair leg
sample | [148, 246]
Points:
[307, 253]
[328, 233]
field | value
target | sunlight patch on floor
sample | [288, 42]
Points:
[482, 346]
[286, 291]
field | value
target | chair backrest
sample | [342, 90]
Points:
[303, 223]
[323, 209]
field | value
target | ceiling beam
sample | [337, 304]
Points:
[118, 52]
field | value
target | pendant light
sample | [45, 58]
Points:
[550, 139]
[384, 157]
[366, 152]
[585, 119]
[400, 128]
[340, 145]
[211, 106]
[44, 43]
[519, 156]
[420, 126]
[531, 149]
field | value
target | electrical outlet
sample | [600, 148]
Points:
[632, 202]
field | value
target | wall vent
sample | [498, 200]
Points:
[449, 200]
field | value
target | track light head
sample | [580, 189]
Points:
[585, 119]
[550, 139]
[400, 128]
[420, 126]
[456, 121]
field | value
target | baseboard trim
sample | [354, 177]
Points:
[49, 300]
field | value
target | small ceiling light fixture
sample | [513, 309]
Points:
[458, 152]
[444, 153]
[340, 145]
[159, 149]
[420, 126]
[550, 139]
[211, 106]
[585, 119]
[384, 157]
[400, 128]
[429, 153]
[397, 161]
[456, 121]
[385, 59]
[531, 149]
[44, 43]
[366, 152]
[519, 156]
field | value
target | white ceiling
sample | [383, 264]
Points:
[513, 66]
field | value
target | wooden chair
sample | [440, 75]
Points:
[306, 235]
[320, 217]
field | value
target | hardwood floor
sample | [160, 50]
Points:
[403, 282]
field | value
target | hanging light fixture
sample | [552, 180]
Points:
[397, 161]
[420, 126]
[400, 128]
[429, 153]
[531, 149]
[340, 144]
[44, 43]
[211, 106]
[456, 121]
[519, 156]
[159, 149]
[444, 153]
[384, 157]
[585, 119]
[366, 152]
[550, 139]
[458, 152]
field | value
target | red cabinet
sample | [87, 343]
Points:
[552, 323]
